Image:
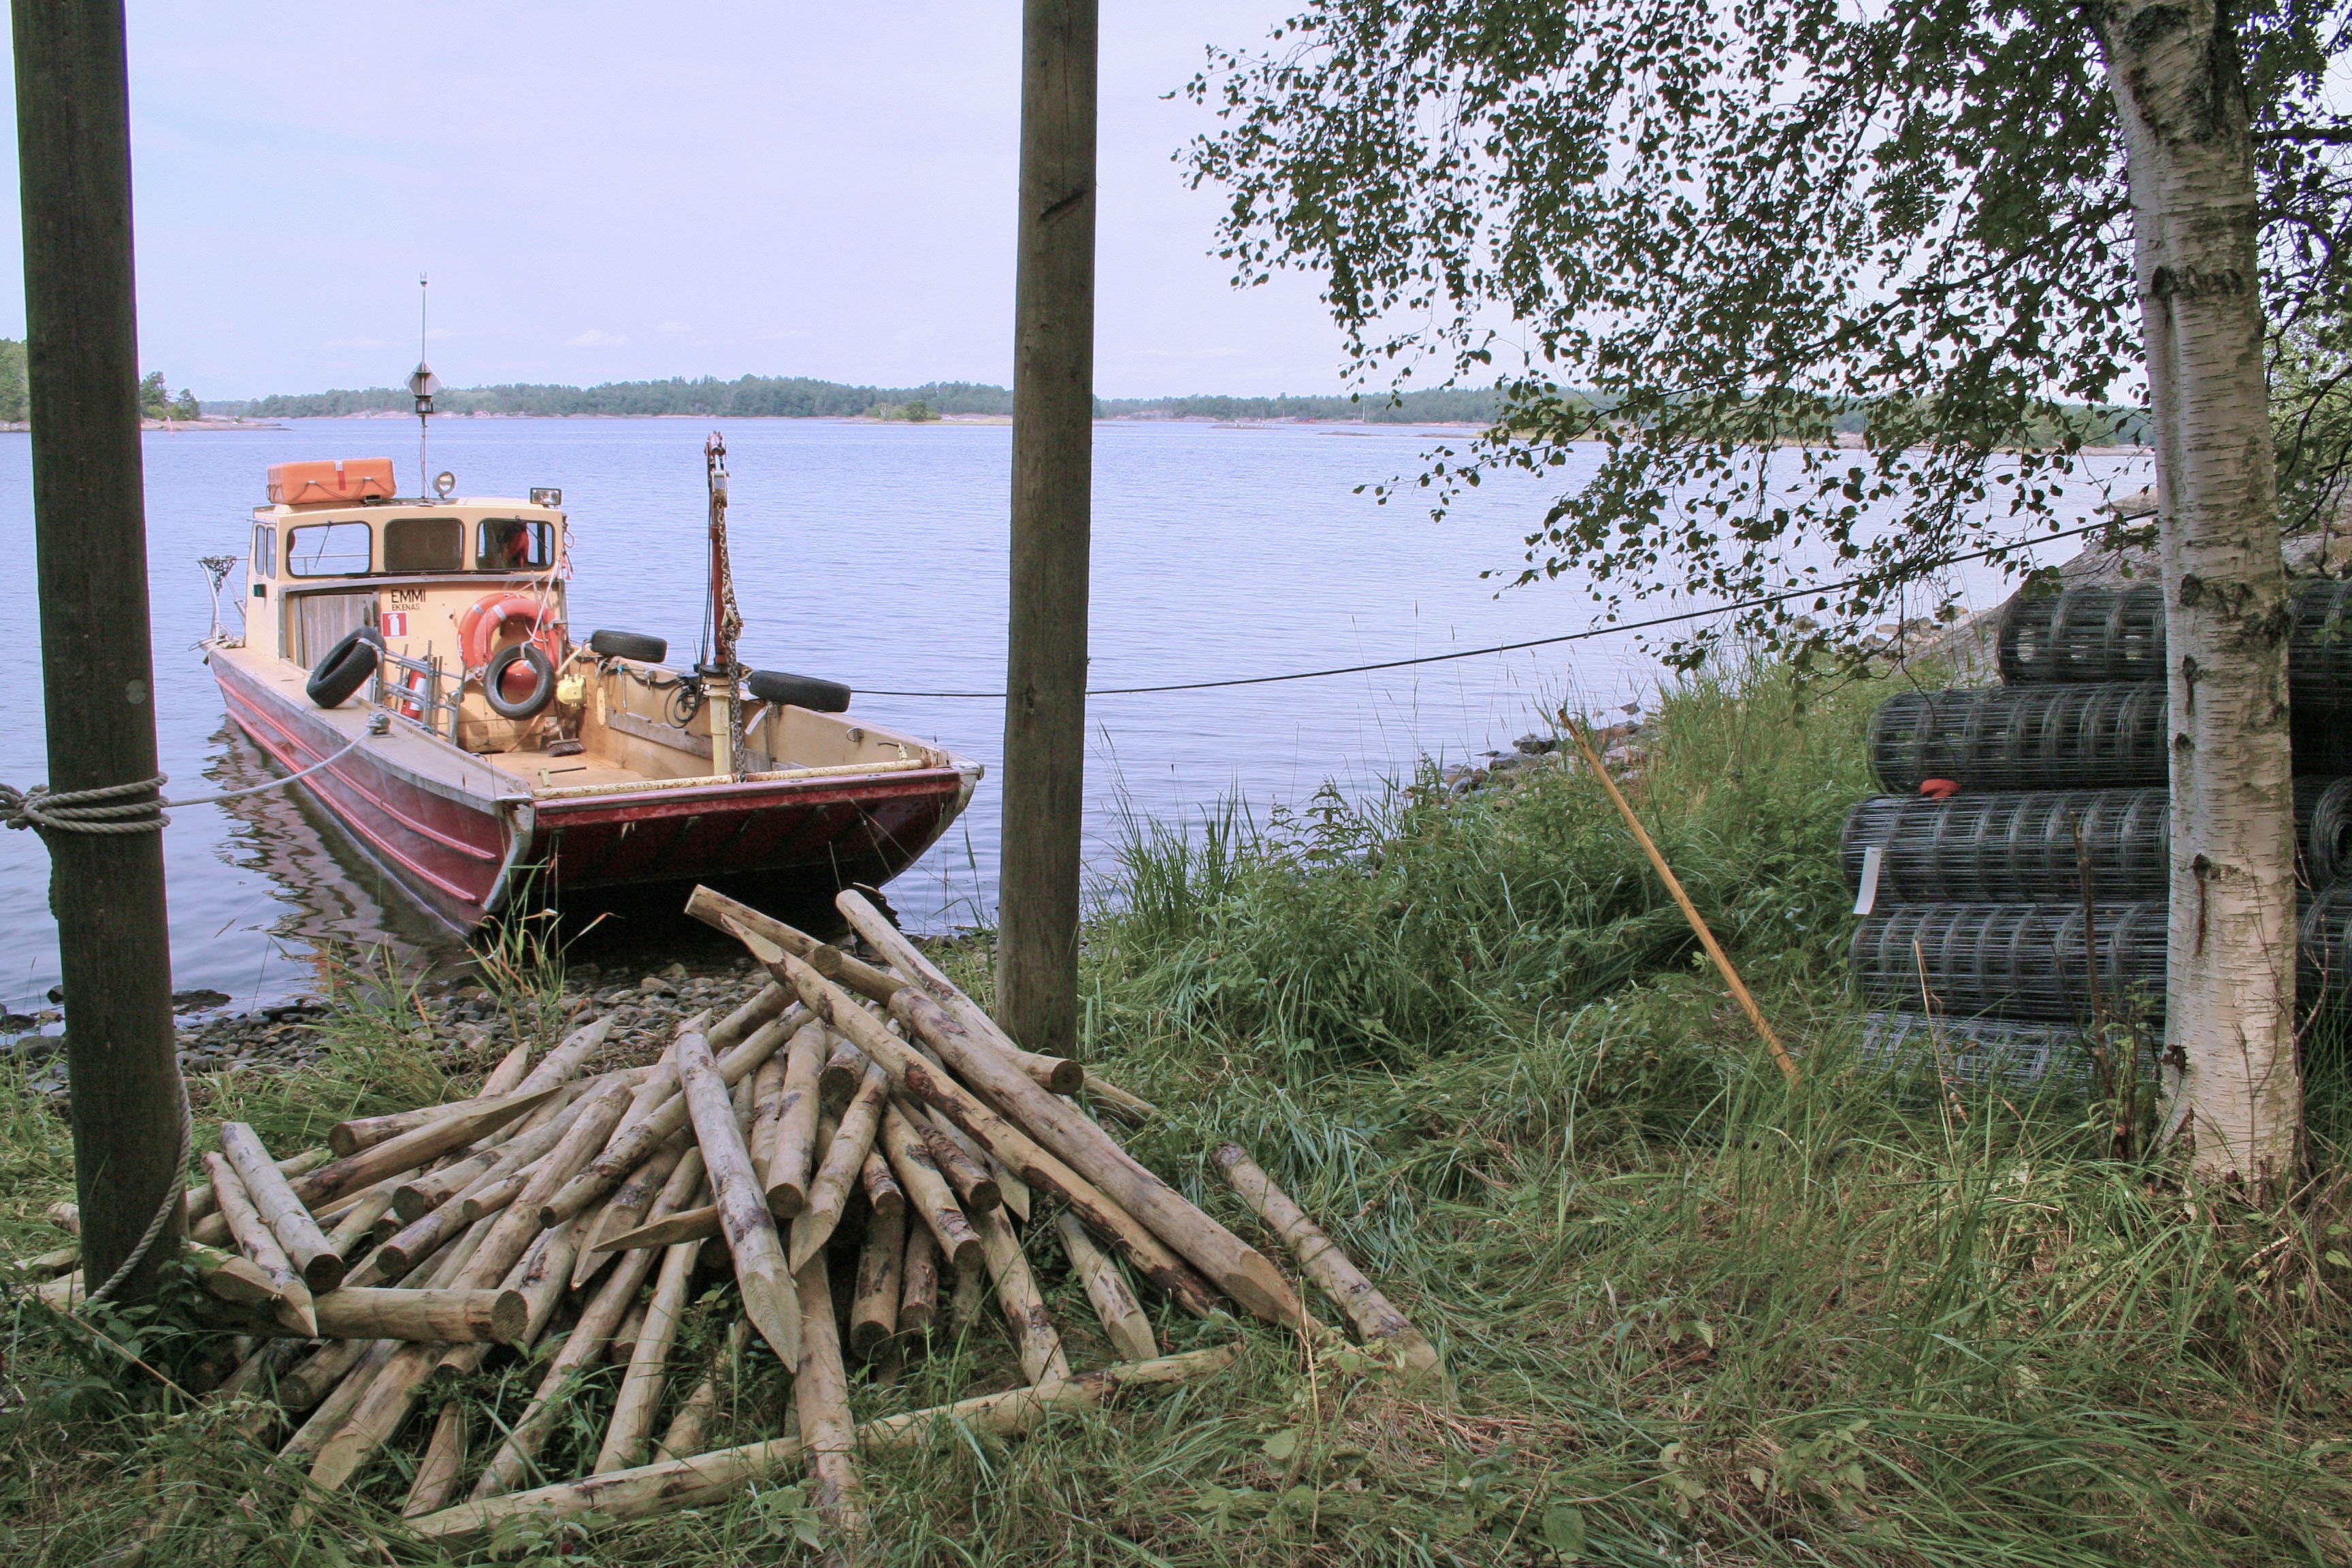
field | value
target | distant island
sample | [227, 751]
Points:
[800, 397]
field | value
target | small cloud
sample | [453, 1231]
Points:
[778, 337]
[672, 329]
[351, 344]
[597, 338]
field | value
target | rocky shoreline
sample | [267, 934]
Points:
[464, 1026]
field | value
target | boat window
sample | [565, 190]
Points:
[265, 551]
[328, 549]
[423, 544]
[513, 544]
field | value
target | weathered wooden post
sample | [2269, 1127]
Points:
[73, 143]
[1053, 474]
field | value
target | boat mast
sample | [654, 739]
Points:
[723, 623]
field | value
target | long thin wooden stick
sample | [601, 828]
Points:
[1319, 1258]
[690, 1430]
[1033, 1335]
[1122, 1318]
[791, 1159]
[844, 1159]
[821, 1404]
[926, 1190]
[652, 1490]
[918, 1294]
[1690, 911]
[260, 1243]
[874, 1309]
[641, 1386]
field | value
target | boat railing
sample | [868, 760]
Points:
[410, 689]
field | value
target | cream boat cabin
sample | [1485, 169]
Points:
[511, 752]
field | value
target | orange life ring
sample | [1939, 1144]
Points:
[478, 628]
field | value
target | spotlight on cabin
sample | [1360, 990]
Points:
[546, 495]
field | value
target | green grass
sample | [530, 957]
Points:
[1692, 1315]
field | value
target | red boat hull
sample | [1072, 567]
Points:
[787, 841]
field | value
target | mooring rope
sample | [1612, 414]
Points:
[113, 809]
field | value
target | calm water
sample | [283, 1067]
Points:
[874, 556]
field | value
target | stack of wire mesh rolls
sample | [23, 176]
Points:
[2016, 813]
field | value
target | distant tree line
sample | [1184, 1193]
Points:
[800, 397]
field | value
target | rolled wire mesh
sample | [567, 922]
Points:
[2102, 634]
[2324, 946]
[1975, 1049]
[2014, 847]
[2105, 736]
[2323, 830]
[2084, 634]
[2024, 962]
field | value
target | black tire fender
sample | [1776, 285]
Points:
[345, 668]
[628, 645]
[542, 690]
[798, 690]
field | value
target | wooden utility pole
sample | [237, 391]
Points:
[106, 889]
[1053, 475]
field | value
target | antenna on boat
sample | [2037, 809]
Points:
[423, 384]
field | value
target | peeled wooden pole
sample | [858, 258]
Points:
[1033, 1335]
[838, 1176]
[260, 1243]
[628, 1206]
[634, 1407]
[230, 1276]
[792, 1161]
[689, 1432]
[1235, 1267]
[821, 1404]
[445, 1316]
[650, 1490]
[918, 1274]
[359, 1218]
[744, 1217]
[320, 1265]
[1378, 1322]
[1059, 1074]
[689, 1225]
[843, 1070]
[926, 1190]
[1116, 1101]
[629, 1150]
[1020, 1153]
[1122, 1318]
[873, 1308]
[565, 1060]
[412, 1148]
[720, 912]
[442, 1464]
[599, 1323]
[976, 1187]
[882, 1194]
[767, 1108]
[1738, 987]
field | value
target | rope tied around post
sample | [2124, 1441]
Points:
[110, 809]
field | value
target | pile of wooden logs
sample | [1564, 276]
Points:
[850, 1115]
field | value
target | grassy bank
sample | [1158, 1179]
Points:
[1692, 1316]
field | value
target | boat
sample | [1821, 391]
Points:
[412, 660]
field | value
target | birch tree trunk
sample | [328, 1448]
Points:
[2179, 88]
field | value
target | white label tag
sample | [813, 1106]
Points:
[1867, 900]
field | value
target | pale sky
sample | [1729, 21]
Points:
[608, 191]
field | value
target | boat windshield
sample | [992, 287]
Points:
[513, 544]
[328, 549]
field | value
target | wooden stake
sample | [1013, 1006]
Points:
[874, 1310]
[1377, 1322]
[629, 1150]
[710, 1478]
[767, 1109]
[691, 1225]
[976, 1187]
[792, 1160]
[1020, 1153]
[845, 1069]
[320, 1265]
[717, 910]
[444, 1463]
[628, 1206]
[744, 1217]
[359, 1218]
[928, 1192]
[1059, 1074]
[883, 1194]
[1042, 1361]
[590, 1337]
[1122, 1318]
[261, 1245]
[1236, 1267]
[844, 1159]
[1781, 1057]
[918, 1296]
[565, 1060]
[412, 1148]
[641, 1386]
[690, 1429]
[821, 1404]
[1113, 1100]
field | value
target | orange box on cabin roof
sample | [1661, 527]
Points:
[343, 480]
